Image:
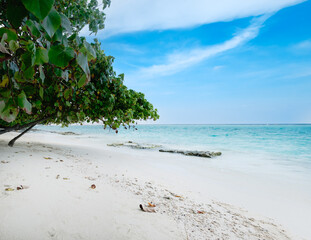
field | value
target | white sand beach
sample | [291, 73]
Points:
[193, 200]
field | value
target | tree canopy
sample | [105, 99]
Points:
[50, 74]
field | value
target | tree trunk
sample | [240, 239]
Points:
[11, 143]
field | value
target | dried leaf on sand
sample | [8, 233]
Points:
[147, 209]
[151, 204]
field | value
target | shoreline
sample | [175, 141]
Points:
[139, 176]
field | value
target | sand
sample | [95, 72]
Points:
[56, 200]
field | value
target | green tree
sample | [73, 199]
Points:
[51, 75]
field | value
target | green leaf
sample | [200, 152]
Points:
[33, 28]
[83, 63]
[58, 36]
[88, 50]
[82, 81]
[16, 12]
[60, 55]
[7, 113]
[41, 92]
[66, 24]
[11, 34]
[28, 60]
[29, 73]
[52, 22]
[67, 93]
[39, 8]
[23, 103]
[41, 56]
[42, 75]
[13, 45]
[38, 104]
[18, 76]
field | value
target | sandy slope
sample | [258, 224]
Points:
[58, 202]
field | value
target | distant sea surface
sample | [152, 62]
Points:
[280, 150]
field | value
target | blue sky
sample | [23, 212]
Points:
[202, 62]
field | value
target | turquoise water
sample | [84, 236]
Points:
[274, 148]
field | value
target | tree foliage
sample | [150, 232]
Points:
[50, 74]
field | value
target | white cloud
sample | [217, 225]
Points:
[216, 68]
[176, 62]
[125, 16]
[304, 45]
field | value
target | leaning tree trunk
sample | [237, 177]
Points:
[29, 126]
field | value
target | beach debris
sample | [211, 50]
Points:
[4, 162]
[90, 178]
[205, 154]
[57, 177]
[150, 204]
[21, 187]
[47, 158]
[175, 195]
[147, 208]
[9, 189]
[61, 160]
[66, 178]
[201, 212]
[93, 186]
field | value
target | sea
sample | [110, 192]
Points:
[283, 151]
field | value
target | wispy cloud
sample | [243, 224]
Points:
[218, 67]
[177, 62]
[304, 45]
[140, 15]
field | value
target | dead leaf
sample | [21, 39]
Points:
[147, 209]
[57, 177]
[151, 205]
[66, 178]
[201, 212]
[47, 158]
[93, 186]
[9, 189]
[175, 195]
[4, 161]
[61, 160]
